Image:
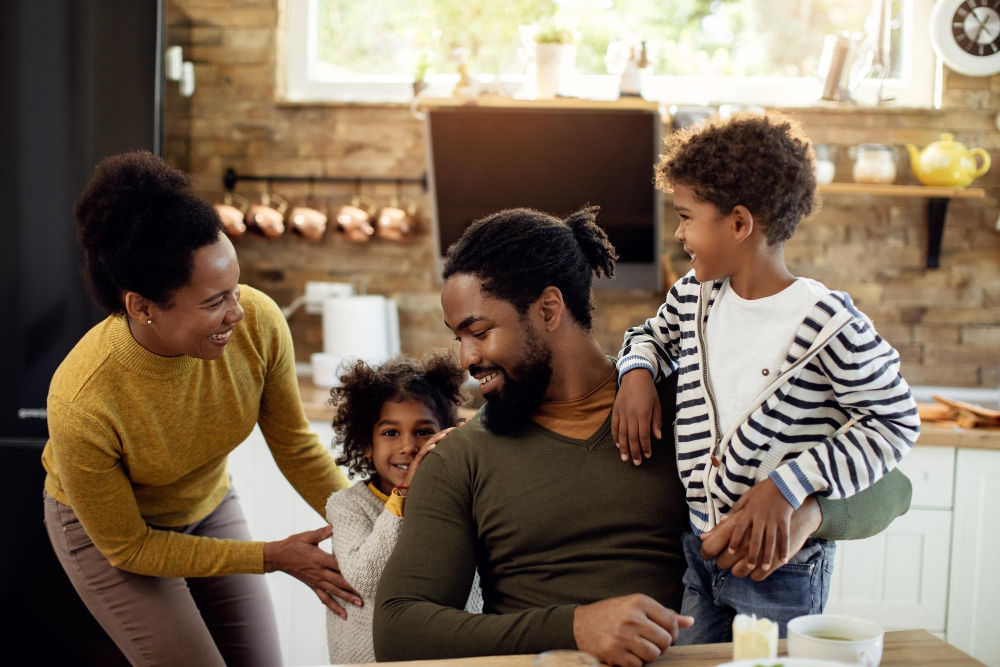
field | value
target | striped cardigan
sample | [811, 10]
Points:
[836, 418]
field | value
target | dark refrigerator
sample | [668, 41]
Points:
[79, 80]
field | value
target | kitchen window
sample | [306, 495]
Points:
[738, 51]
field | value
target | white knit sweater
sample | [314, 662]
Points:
[364, 535]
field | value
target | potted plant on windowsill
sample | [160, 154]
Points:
[419, 72]
[555, 57]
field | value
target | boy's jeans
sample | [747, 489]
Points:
[714, 597]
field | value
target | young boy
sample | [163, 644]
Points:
[784, 387]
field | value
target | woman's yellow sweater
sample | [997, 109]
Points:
[137, 440]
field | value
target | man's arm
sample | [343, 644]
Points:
[866, 513]
[862, 515]
[426, 583]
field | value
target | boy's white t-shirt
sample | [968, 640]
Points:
[747, 342]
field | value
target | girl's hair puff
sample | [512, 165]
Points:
[436, 381]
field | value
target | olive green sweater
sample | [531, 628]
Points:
[550, 523]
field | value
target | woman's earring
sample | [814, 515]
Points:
[149, 321]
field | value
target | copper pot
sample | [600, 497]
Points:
[310, 222]
[355, 219]
[232, 216]
[395, 223]
[271, 221]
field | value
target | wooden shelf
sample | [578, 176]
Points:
[937, 205]
[495, 102]
[901, 191]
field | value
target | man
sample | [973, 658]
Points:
[575, 548]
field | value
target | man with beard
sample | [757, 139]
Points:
[575, 549]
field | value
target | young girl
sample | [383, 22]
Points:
[388, 418]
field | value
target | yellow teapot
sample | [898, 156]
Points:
[947, 163]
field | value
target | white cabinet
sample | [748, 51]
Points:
[932, 472]
[974, 602]
[274, 511]
[935, 568]
[897, 578]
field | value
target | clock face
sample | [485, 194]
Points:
[966, 35]
[976, 27]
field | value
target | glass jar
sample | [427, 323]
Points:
[874, 163]
[826, 163]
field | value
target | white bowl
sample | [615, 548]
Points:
[784, 662]
[325, 369]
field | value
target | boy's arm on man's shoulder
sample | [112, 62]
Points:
[655, 345]
[419, 612]
[866, 513]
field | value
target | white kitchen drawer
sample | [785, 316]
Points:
[932, 472]
[898, 578]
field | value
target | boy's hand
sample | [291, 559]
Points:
[767, 515]
[806, 520]
[636, 416]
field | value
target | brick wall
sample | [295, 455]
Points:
[970, 91]
[945, 322]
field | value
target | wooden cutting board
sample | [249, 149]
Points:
[970, 415]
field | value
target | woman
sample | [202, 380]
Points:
[142, 415]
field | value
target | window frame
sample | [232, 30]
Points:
[915, 89]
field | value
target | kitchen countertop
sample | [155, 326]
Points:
[314, 400]
[911, 648]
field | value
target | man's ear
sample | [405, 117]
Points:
[742, 223]
[551, 307]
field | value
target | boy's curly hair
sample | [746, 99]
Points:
[761, 161]
[436, 381]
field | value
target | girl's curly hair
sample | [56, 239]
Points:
[436, 381]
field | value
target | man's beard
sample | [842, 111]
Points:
[509, 407]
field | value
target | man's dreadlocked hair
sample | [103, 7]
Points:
[519, 252]
[436, 382]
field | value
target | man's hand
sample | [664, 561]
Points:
[636, 415]
[627, 631]
[805, 521]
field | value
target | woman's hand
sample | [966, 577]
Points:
[424, 451]
[300, 556]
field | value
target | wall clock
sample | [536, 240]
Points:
[966, 35]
